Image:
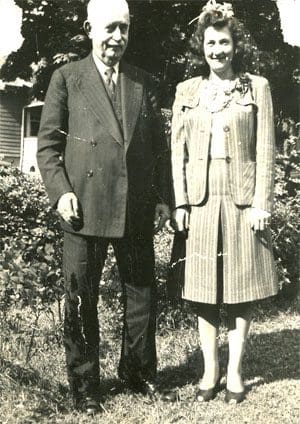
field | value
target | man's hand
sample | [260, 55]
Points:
[259, 219]
[68, 207]
[162, 214]
[180, 219]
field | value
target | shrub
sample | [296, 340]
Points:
[286, 224]
[30, 272]
[31, 243]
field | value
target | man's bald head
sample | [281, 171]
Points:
[108, 25]
[97, 8]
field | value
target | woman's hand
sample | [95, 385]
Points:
[180, 219]
[259, 219]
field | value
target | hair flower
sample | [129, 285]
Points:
[220, 10]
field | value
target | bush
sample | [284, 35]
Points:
[30, 272]
[31, 242]
[286, 224]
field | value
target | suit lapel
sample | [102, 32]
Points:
[91, 85]
[131, 99]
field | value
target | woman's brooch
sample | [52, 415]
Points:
[243, 84]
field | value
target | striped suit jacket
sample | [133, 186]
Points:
[118, 174]
[249, 135]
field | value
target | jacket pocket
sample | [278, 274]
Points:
[196, 174]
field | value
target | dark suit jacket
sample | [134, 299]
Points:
[116, 175]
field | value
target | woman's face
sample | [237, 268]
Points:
[218, 50]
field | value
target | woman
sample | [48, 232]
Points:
[223, 169]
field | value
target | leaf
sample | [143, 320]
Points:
[49, 249]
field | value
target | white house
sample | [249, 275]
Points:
[31, 122]
[13, 98]
[19, 125]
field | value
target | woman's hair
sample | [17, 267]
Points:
[244, 49]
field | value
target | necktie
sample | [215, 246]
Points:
[110, 82]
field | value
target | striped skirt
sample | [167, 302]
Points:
[248, 272]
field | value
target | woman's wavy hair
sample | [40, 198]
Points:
[245, 56]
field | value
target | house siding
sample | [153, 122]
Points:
[11, 106]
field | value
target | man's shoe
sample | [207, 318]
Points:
[150, 388]
[170, 396]
[145, 387]
[92, 407]
[88, 406]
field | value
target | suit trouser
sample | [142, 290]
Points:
[83, 261]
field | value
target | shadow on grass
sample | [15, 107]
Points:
[273, 356]
[270, 357]
[52, 395]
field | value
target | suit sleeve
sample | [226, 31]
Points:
[52, 139]
[265, 148]
[178, 153]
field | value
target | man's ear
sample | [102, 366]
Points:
[87, 27]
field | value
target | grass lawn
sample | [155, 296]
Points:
[36, 391]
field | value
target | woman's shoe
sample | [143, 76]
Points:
[234, 398]
[209, 394]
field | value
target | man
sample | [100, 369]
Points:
[102, 158]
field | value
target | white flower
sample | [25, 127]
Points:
[225, 9]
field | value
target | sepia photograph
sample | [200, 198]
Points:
[149, 211]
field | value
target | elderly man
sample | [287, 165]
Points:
[103, 159]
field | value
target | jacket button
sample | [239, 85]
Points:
[94, 143]
[90, 173]
[226, 128]
[228, 159]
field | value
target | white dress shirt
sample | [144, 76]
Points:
[102, 69]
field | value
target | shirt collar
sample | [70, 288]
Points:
[102, 68]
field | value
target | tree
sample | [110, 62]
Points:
[48, 28]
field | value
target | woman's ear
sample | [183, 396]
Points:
[87, 27]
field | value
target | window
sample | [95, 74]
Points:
[33, 117]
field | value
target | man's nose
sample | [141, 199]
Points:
[117, 34]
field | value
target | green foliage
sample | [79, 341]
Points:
[286, 224]
[30, 273]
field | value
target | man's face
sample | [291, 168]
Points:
[109, 32]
